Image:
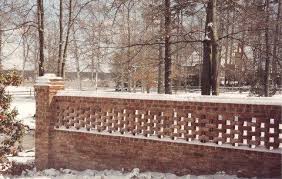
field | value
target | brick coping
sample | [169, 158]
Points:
[184, 98]
[166, 139]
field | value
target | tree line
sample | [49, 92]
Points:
[153, 42]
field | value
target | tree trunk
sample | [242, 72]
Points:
[134, 85]
[40, 22]
[201, 56]
[62, 73]
[60, 38]
[92, 68]
[161, 60]
[275, 45]
[225, 62]
[36, 59]
[267, 50]
[160, 70]
[207, 50]
[25, 55]
[76, 56]
[210, 76]
[1, 47]
[128, 49]
[97, 69]
[215, 52]
[97, 65]
[167, 57]
[231, 40]
[206, 69]
[177, 70]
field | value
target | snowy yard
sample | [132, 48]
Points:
[27, 157]
[111, 174]
[24, 102]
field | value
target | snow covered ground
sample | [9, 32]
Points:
[25, 157]
[24, 102]
[111, 174]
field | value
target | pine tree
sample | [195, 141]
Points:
[11, 131]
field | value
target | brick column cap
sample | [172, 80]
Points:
[49, 79]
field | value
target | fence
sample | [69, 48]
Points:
[101, 131]
[29, 92]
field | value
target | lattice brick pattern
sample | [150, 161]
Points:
[219, 129]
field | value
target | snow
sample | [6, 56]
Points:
[210, 24]
[191, 97]
[207, 37]
[112, 174]
[24, 102]
[45, 80]
[25, 157]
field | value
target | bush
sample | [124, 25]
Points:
[11, 131]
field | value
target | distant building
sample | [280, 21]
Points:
[234, 73]
[187, 72]
[192, 75]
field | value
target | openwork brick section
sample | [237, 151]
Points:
[102, 131]
[232, 124]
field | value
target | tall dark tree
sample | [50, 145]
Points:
[167, 48]
[60, 38]
[1, 50]
[70, 24]
[210, 81]
[275, 59]
[215, 51]
[40, 23]
[267, 51]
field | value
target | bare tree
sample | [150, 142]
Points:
[210, 80]
[167, 48]
[40, 23]
[26, 48]
[267, 52]
[70, 23]
[1, 48]
[76, 56]
[60, 38]
[275, 59]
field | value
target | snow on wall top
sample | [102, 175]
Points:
[191, 97]
[46, 79]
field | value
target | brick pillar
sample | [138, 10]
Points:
[46, 88]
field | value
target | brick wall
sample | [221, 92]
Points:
[181, 137]
[220, 123]
[80, 151]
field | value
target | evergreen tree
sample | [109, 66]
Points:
[11, 131]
